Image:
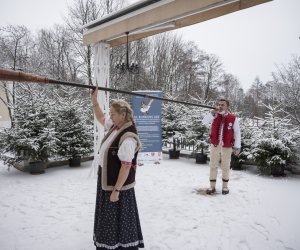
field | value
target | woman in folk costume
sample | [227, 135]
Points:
[117, 224]
[225, 137]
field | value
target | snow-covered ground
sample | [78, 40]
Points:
[54, 211]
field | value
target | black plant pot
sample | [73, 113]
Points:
[174, 154]
[235, 163]
[37, 167]
[75, 162]
[201, 158]
[278, 170]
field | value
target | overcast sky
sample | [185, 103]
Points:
[250, 43]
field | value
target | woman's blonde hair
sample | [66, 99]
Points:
[120, 107]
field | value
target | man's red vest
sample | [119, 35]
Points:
[228, 132]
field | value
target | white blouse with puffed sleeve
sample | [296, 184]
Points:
[126, 150]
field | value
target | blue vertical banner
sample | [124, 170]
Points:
[147, 115]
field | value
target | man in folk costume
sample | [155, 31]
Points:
[225, 138]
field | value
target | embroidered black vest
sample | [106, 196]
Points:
[114, 163]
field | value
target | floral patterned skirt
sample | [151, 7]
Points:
[117, 224]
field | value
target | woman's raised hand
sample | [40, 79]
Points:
[94, 94]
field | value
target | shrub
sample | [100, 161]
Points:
[269, 154]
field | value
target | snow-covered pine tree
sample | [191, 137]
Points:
[249, 133]
[73, 132]
[173, 122]
[275, 146]
[33, 136]
[196, 133]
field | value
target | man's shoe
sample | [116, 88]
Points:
[210, 191]
[225, 191]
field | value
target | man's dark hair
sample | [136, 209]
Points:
[224, 100]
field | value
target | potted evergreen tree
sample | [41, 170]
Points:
[32, 139]
[201, 157]
[41, 144]
[173, 126]
[275, 143]
[174, 153]
[235, 163]
[271, 156]
[249, 132]
[197, 134]
[74, 136]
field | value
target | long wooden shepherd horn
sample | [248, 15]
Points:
[11, 75]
